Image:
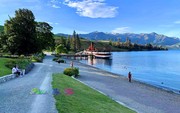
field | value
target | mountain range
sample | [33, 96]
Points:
[143, 38]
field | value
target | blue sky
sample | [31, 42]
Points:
[112, 16]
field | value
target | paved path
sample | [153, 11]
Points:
[143, 98]
[15, 95]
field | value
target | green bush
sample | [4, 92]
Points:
[10, 63]
[22, 56]
[71, 71]
[38, 57]
[55, 59]
[22, 63]
[61, 61]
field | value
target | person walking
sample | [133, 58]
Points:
[129, 76]
[71, 64]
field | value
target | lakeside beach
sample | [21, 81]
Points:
[157, 68]
[139, 96]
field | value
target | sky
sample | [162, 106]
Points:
[110, 16]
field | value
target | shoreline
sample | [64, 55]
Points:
[166, 89]
[141, 97]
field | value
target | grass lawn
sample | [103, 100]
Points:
[3, 69]
[83, 99]
[9, 62]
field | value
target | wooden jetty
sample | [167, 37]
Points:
[74, 56]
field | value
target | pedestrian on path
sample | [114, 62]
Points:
[129, 76]
[71, 64]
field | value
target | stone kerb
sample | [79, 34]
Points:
[7, 78]
[29, 68]
[12, 76]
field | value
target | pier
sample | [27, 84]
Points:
[74, 56]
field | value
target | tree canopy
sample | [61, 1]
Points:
[45, 36]
[23, 35]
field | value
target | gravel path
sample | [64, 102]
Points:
[15, 95]
[141, 97]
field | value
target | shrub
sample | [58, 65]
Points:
[71, 72]
[36, 58]
[55, 59]
[22, 56]
[10, 63]
[68, 71]
[61, 61]
[22, 63]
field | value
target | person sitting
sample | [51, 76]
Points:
[15, 70]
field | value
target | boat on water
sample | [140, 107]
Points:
[105, 54]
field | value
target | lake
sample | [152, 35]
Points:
[158, 68]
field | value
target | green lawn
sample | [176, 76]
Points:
[3, 69]
[84, 99]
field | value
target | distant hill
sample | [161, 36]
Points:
[142, 38]
[85, 43]
[175, 46]
[1, 28]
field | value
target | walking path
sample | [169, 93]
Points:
[15, 95]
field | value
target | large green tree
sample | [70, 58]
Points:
[3, 42]
[68, 43]
[61, 49]
[75, 42]
[21, 33]
[45, 36]
[78, 42]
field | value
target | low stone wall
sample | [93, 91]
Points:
[7, 78]
[29, 68]
[12, 76]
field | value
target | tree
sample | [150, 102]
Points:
[110, 42]
[45, 36]
[21, 33]
[118, 42]
[68, 43]
[149, 46]
[78, 42]
[73, 42]
[3, 42]
[128, 42]
[61, 49]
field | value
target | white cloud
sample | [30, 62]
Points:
[172, 33]
[55, 3]
[177, 22]
[92, 8]
[121, 30]
[53, 23]
[55, 6]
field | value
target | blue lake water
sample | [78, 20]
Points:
[159, 68]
